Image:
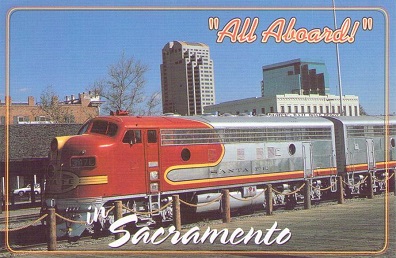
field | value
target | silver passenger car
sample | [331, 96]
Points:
[362, 143]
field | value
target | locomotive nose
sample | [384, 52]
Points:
[56, 145]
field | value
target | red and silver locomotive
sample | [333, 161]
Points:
[143, 161]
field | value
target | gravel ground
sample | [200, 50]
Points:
[354, 229]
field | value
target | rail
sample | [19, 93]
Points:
[25, 226]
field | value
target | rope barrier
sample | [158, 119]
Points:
[69, 220]
[148, 212]
[357, 184]
[383, 180]
[45, 215]
[203, 204]
[297, 190]
[26, 226]
[107, 213]
[324, 189]
[249, 198]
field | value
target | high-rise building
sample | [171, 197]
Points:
[187, 78]
[294, 77]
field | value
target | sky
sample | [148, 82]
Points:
[71, 49]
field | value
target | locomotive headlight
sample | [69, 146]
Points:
[154, 175]
[54, 144]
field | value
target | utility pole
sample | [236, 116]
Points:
[338, 62]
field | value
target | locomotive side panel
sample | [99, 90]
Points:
[250, 155]
[366, 146]
[129, 168]
[362, 143]
[324, 159]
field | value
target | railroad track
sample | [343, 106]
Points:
[19, 218]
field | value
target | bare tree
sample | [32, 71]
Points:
[52, 108]
[153, 104]
[123, 89]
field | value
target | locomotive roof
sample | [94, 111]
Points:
[149, 121]
[220, 121]
[245, 121]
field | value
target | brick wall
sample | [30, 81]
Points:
[82, 110]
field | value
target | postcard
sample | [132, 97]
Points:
[183, 128]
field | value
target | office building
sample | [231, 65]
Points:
[187, 78]
[292, 88]
[294, 77]
[289, 105]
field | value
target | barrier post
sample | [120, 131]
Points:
[341, 199]
[51, 222]
[307, 195]
[176, 212]
[370, 189]
[394, 182]
[1, 201]
[226, 205]
[268, 199]
[117, 216]
[32, 192]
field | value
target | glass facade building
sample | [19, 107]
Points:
[294, 77]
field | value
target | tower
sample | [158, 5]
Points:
[187, 78]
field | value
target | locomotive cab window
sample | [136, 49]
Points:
[132, 137]
[104, 127]
[151, 136]
[84, 128]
